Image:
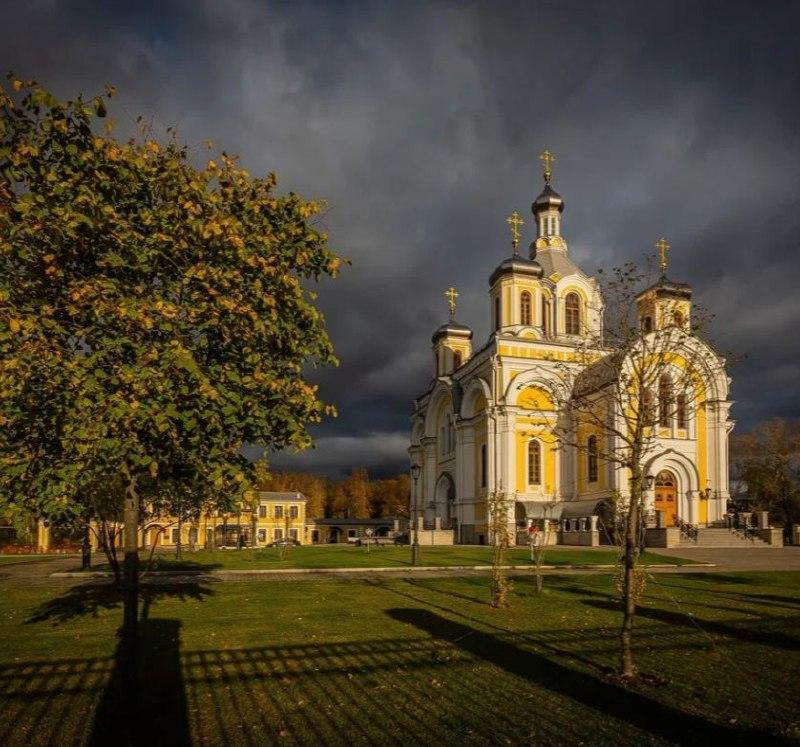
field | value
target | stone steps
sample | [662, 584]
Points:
[720, 537]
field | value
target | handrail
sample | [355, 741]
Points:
[688, 530]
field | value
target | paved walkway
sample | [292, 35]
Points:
[708, 560]
[740, 559]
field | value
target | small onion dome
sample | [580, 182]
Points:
[666, 288]
[452, 329]
[516, 266]
[548, 199]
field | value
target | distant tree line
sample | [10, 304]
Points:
[765, 466]
[356, 496]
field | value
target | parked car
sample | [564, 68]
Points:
[284, 543]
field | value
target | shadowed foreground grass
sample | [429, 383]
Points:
[395, 661]
[347, 556]
[15, 559]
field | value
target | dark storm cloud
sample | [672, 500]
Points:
[420, 124]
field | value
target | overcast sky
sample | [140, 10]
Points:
[420, 124]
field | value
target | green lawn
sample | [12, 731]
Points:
[407, 661]
[344, 556]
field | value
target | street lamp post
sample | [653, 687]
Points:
[415, 469]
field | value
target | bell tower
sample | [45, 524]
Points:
[514, 286]
[666, 303]
[547, 209]
[452, 342]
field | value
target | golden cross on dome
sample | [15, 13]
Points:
[451, 295]
[515, 222]
[547, 159]
[663, 247]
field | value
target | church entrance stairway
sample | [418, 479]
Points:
[719, 537]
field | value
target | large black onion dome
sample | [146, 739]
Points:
[516, 266]
[452, 329]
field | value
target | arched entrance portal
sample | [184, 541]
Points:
[667, 496]
[444, 499]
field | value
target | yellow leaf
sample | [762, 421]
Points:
[14, 325]
[154, 470]
[17, 85]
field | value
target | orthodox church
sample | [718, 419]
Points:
[486, 426]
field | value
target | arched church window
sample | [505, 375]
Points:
[648, 407]
[664, 400]
[483, 465]
[525, 308]
[572, 314]
[648, 324]
[497, 313]
[591, 450]
[677, 318]
[680, 408]
[456, 360]
[534, 463]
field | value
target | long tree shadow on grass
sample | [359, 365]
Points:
[150, 708]
[749, 634]
[144, 698]
[90, 599]
[602, 695]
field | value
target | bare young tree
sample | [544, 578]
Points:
[624, 391]
[499, 584]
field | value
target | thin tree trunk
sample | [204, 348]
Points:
[86, 548]
[627, 667]
[131, 547]
[180, 532]
[107, 540]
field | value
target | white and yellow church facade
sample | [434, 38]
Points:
[489, 421]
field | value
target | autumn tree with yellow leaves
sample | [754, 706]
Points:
[154, 317]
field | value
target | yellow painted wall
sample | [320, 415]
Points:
[535, 398]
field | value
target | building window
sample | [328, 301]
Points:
[545, 315]
[648, 407]
[456, 360]
[483, 465]
[294, 512]
[193, 536]
[534, 463]
[497, 313]
[277, 534]
[681, 411]
[262, 535]
[648, 324]
[591, 451]
[525, 308]
[176, 535]
[278, 512]
[572, 314]
[293, 534]
[315, 535]
[664, 400]
[262, 512]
